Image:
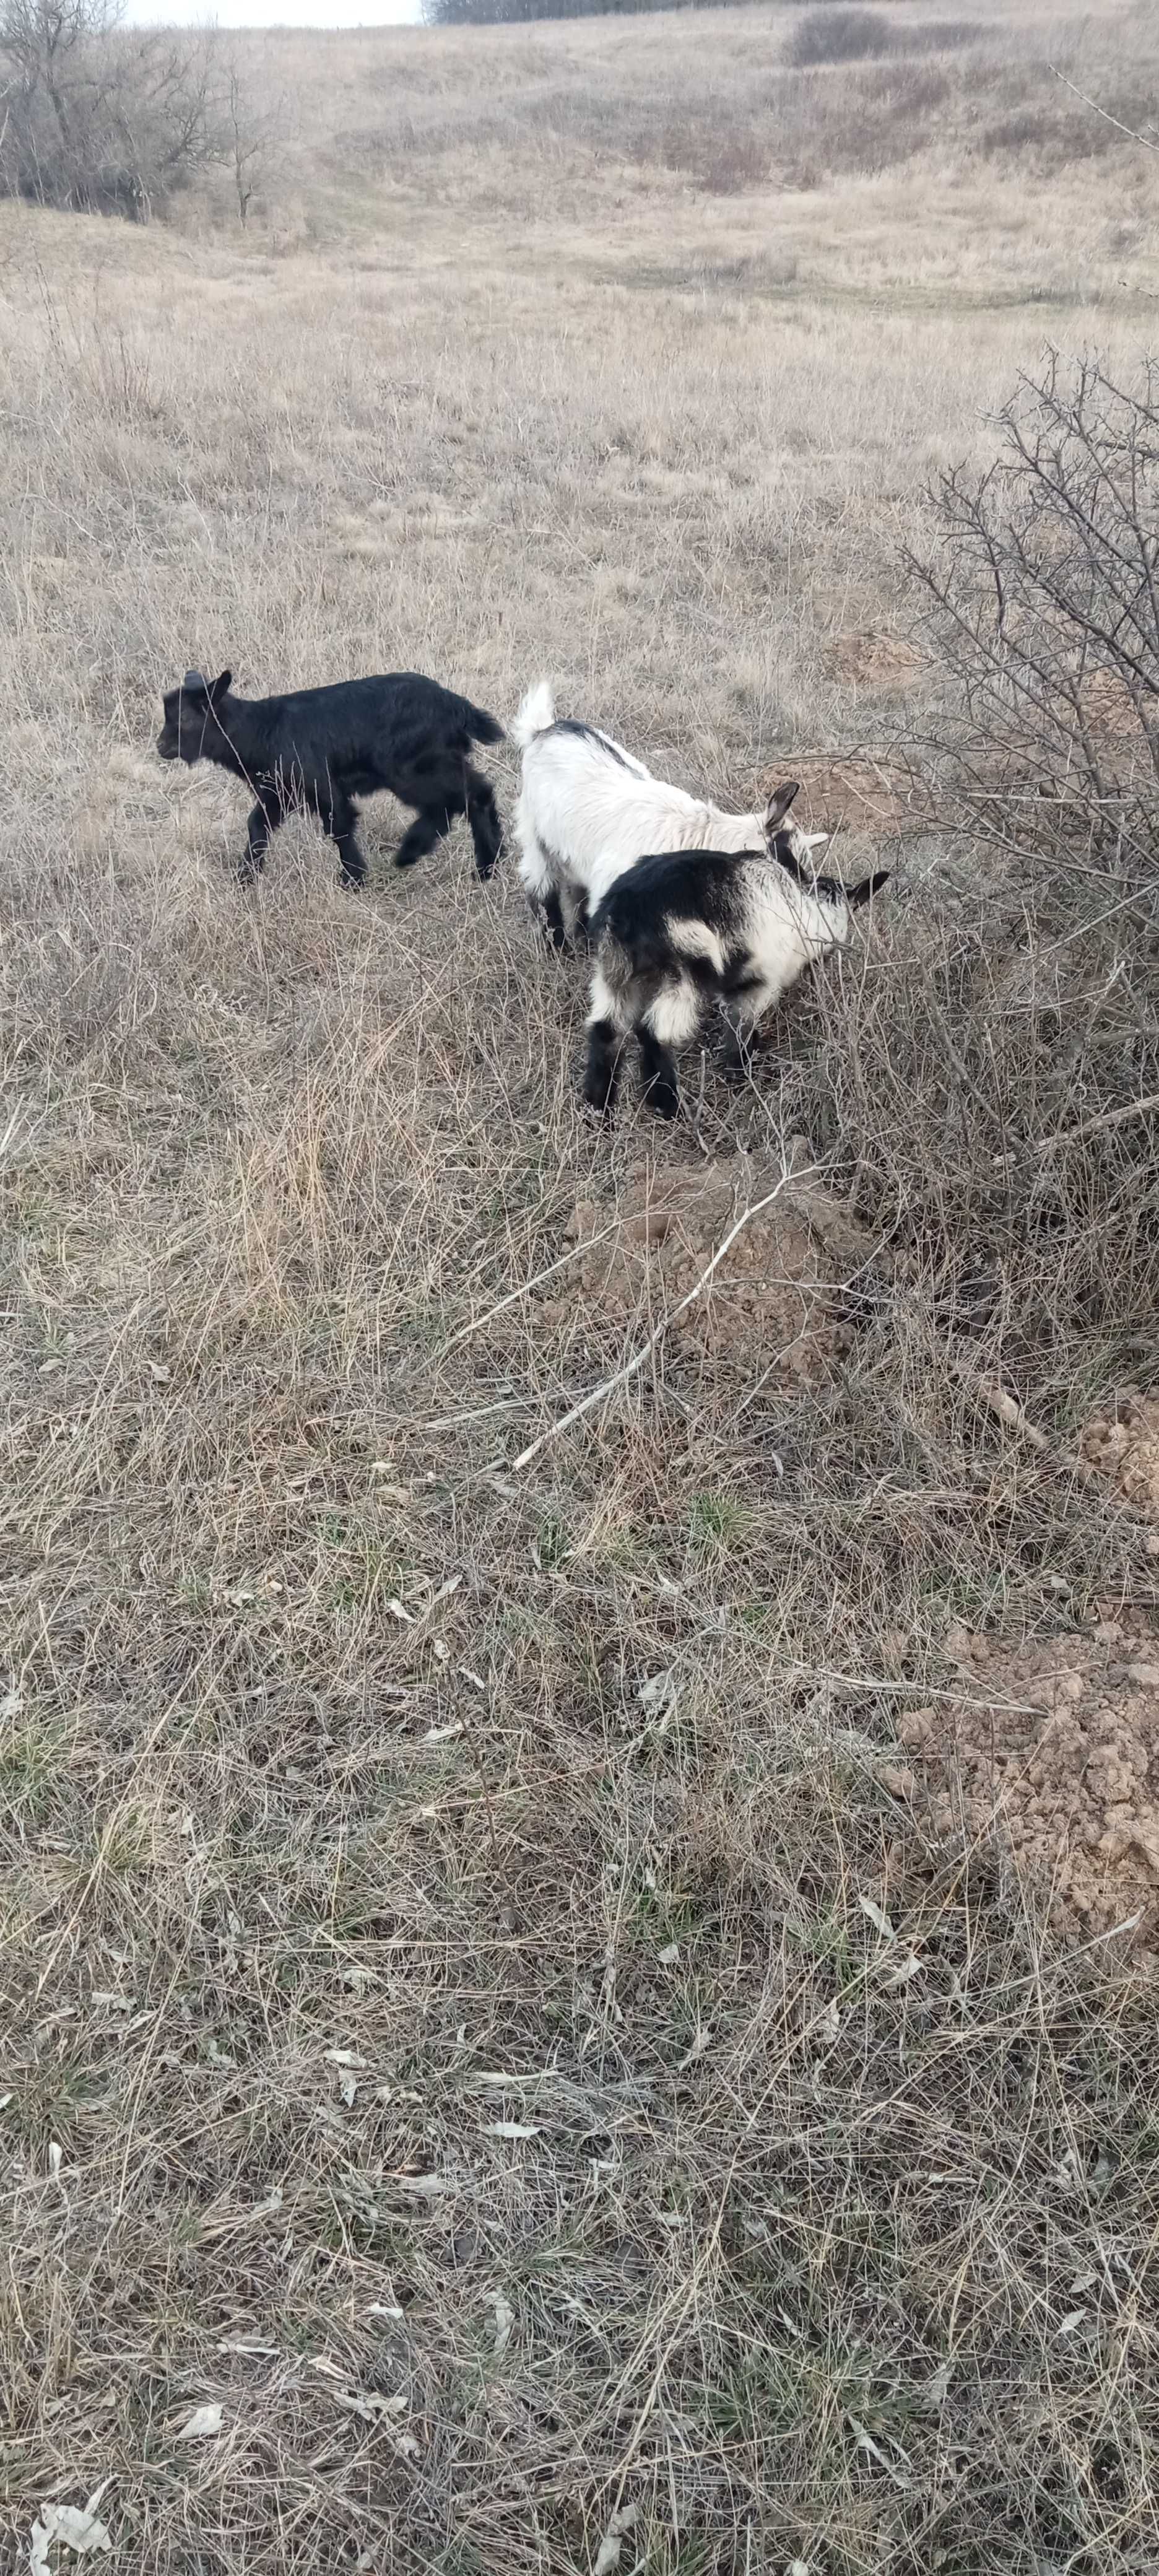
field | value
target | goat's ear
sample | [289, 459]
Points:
[195, 685]
[779, 803]
[856, 895]
[220, 686]
[815, 840]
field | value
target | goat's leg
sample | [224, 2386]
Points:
[744, 1006]
[540, 884]
[670, 1022]
[483, 817]
[605, 1048]
[338, 816]
[551, 919]
[427, 830]
[659, 1087]
[264, 818]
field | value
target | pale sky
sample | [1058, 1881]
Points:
[275, 13]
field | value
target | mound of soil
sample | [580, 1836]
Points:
[772, 1299]
[871, 660]
[1124, 1446]
[844, 792]
[1057, 1745]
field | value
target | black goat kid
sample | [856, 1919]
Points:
[315, 750]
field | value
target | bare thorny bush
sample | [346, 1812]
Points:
[993, 1081]
[1045, 598]
[98, 116]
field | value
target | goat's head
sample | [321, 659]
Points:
[793, 850]
[190, 712]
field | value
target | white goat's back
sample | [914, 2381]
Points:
[588, 809]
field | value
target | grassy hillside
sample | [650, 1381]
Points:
[584, 2006]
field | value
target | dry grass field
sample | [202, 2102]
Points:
[569, 2017]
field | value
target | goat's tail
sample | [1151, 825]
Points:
[479, 726]
[536, 715]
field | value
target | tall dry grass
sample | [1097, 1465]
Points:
[481, 2006]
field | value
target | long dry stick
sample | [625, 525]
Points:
[620, 1376]
[1095, 1126]
[1128, 130]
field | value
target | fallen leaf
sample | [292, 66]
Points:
[700, 2042]
[247, 2344]
[608, 2553]
[881, 1922]
[76, 2526]
[1070, 2322]
[669, 1957]
[204, 2421]
[658, 1693]
[511, 2129]
[397, 1612]
[937, 2387]
[442, 1734]
[865, 2442]
[504, 2321]
[381, 2308]
[158, 1371]
[369, 2404]
[345, 2057]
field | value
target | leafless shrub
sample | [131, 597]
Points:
[722, 160]
[1044, 593]
[839, 36]
[107, 118]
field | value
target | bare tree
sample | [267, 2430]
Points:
[254, 132]
[105, 116]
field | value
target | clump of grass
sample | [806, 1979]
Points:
[839, 35]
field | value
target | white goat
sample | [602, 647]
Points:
[588, 809]
[682, 930]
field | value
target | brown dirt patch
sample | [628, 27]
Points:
[1059, 1748]
[845, 791]
[771, 1301]
[1124, 1446]
[869, 659]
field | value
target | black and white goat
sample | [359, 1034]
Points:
[588, 809]
[682, 930]
[315, 750]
